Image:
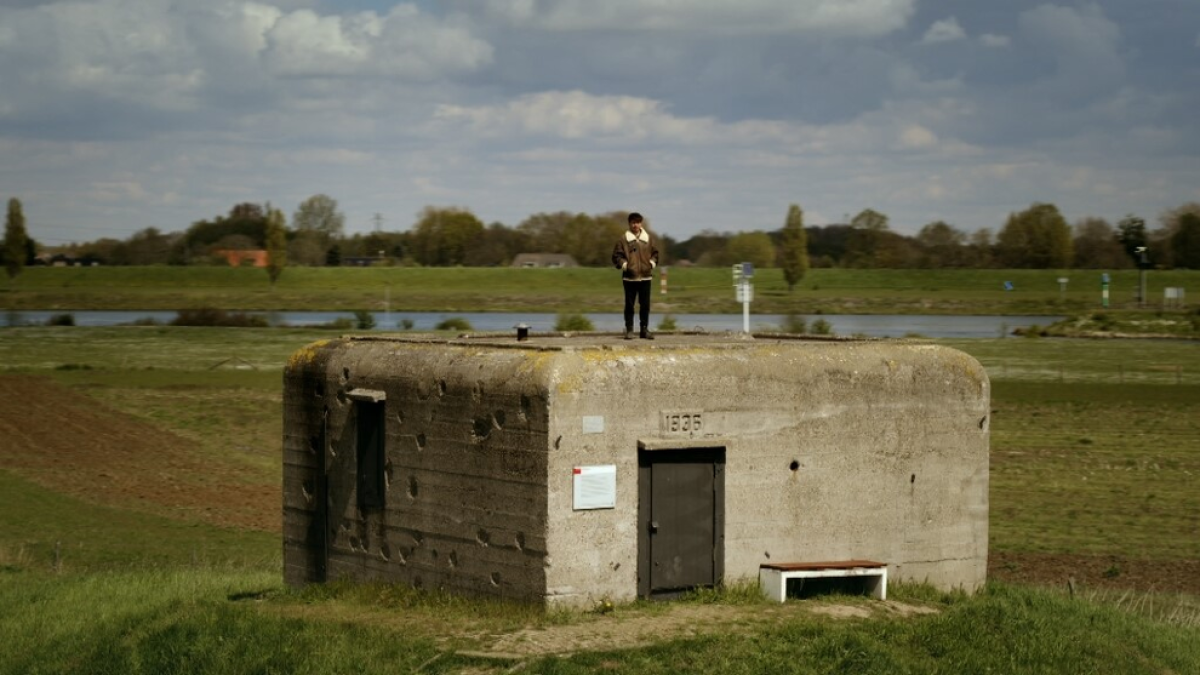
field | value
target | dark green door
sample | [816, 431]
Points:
[681, 512]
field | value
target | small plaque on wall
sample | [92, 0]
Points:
[595, 487]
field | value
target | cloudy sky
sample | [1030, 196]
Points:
[117, 115]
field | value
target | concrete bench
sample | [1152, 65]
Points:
[773, 577]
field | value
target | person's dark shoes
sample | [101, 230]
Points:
[628, 333]
[645, 335]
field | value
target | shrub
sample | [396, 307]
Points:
[793, 323]
[407, 324]
[573, 322]
[821, 327]
[211, 316]
[61, 320]
[667, 323]
[454, 323]
[364, 320]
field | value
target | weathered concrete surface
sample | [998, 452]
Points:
[833, 450]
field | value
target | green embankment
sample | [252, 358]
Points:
[690, 290]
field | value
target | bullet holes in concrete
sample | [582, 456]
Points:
[452, 559]
[412, 489]
[912, 479]
[345, 375]
[520, 541]
[341, 397]
[794, 466]
[481, 428]
[526, 407]
[306, 488]
[314, 444]
[420, 441]
[320, 390]
[400, 417]
[441, 388]
[495, 578]
[387, 473]
[385, 552]
[483, 537]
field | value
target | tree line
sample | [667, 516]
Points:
[1036, 237]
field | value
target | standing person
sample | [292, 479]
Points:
[636, 257]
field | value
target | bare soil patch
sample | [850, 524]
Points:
[75, 445]
[1097, 571]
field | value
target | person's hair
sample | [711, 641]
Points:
[635, 217]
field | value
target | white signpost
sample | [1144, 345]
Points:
[745, 290]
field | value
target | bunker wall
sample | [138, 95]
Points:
[463, 499]
[832, 452]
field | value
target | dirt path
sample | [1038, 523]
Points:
[73, 444]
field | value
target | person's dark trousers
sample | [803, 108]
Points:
[638, 291]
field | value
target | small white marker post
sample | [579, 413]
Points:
[745, 291]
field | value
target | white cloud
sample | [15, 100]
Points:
[995, 41]
[578, 115]
[840, 17]
[303, 43]
[917, 137]
[946, 30]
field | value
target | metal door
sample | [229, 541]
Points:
[681, 513]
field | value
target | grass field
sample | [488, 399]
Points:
[1093, 480]
[690, 290]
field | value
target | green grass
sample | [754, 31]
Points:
[1096, 469]
[576, 290]
[42, 530]
[176, 621]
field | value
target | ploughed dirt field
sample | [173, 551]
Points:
[72, 443]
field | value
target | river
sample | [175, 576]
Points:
[870, 325]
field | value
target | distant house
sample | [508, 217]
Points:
[253, 258]
[544, 260]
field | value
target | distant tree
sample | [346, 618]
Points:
[1097, 245]
[705, 248]
[15, 239]
[318, 224]
[1162, 240]
[498, 246]
[752, 247]
[1037, 238]
[864, 248]
[319, 213]
[941, 246]
[1131, 232]
[442, 236]
[148, 246]
[307, 248]
[827, 244]
[198, 241]
[276, 244]
[1185, 242]
[981, 248]
[793, 248]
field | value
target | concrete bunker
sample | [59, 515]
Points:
[568, 469]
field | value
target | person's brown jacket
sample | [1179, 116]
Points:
[636, 257]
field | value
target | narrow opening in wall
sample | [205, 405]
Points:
[372, 457]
